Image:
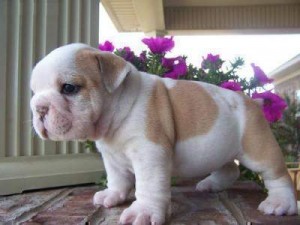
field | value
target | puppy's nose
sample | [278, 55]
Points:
[42, 111]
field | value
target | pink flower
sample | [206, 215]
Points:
[213, 58]
[159, 45]
[211, 62]
[260, 75]
[175, 67]
[127, 54]
[231, 85]
[168, 63]
[273, 105]
[107, 46]
[143, 56]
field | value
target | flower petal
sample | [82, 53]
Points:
[231, 85]
[159, 45]
[273, 105]
[106, 46]
[175, 67]
[260, 75]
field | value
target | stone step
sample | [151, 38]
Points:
[73, 206]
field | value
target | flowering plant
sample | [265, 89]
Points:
[211, 70]
[287, 130]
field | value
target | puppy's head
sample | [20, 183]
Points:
[71, 86]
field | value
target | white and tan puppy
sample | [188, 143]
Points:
[148, 129]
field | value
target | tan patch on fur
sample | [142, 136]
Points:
[88, 72]
[79, 80]
[182, 112]
[160, 124]
[111, 67]
[87, 66]
[108, 66]
[258, 141]
[195, 111]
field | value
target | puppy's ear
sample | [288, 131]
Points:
[113, 70]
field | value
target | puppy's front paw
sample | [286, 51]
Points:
[278, 205]
[109, 198]
[142, 214]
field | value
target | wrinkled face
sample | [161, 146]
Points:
[69, 92]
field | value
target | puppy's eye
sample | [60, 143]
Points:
[69, 89]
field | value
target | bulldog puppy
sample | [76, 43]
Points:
[149, 129]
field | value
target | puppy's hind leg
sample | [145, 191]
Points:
[220, 179]
[281, 198]
[261, 153]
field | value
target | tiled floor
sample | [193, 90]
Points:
[73, 205]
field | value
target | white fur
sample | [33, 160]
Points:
[61, 60]
[221, 145]
[127, 153]
[170, 83]
[281, 198]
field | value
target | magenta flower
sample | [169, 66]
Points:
[273, 105]
[213, 58]
[231, 85]
[260, 75]
[142, 61]
[127, 54]
[107, 46]
[168, 63]
[211, 62]
[143, 56]
[159, 45]
[176, 67]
